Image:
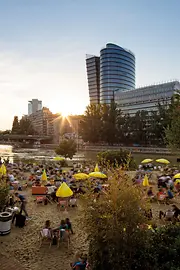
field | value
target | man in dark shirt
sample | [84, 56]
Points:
[23, 203]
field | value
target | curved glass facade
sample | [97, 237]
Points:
[117, 71]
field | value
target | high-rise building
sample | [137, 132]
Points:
[93, 75]
[117, 71]
[113, 71]
[34, 105]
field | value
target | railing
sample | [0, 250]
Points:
[131, 149]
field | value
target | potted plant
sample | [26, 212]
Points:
[5, 217]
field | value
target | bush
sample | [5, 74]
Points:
[67, 148]
[117, 158]
[4, 191]
[112, 224]
[117, 239]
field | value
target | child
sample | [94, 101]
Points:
[69, 225]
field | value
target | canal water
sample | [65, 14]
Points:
[15, 154]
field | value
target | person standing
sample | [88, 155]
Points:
[23, 203]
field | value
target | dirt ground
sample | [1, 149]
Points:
[23, 243]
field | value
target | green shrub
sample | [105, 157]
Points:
[4, 191]
[116, 238]
[117, 158]
[67, 148]
[112, 224]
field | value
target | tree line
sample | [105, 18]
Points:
[104, 123]
[22, 126]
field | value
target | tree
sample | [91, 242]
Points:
[172, 131]
[26, 127]
[67, 148]
[109, 123]
[90, 125]
[15, 125]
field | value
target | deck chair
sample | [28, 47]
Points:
[64, 236]
[73, 202]
[45, 237]
[39, 200]
[62, 204]
[161, 198]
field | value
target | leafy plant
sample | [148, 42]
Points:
[117, 158]
[67, 148]
[4, 191]
[113, 223]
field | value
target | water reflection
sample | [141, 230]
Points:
[7, 151]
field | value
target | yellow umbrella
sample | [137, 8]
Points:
[145, 181]
[177, 181]
[163, 161]
[80, 176]
[44, 176]
[96, 169]
[3, 169]
[58, 158]
[147, 160]
[97, 175]
[177, 176]
[64, 191]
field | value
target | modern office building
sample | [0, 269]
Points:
[146, 98]
[117, 71]
[34, 105]
[114, 69]
[93, 76]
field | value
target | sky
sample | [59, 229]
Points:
[43, 44]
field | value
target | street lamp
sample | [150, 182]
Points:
[115, 90]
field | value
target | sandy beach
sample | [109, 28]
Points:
[23, 243]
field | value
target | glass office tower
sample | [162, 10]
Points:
[93, 75]
[117, 71]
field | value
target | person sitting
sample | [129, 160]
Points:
[46, 231]
[81, 263]
[76, 260]
[73, 201]
[150, 193]
[176, 211]
[169, 194]
[69, 225]
[63, 228]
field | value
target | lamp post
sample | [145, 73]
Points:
[115, 90]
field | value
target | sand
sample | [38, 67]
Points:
[23, 243]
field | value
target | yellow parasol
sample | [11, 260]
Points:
[64, 191]
[96, 169]
[44, 176]
[97, 175]
[177, 181]
[147, 160]
[3, 169]
[58, 158]
[80, 176]
[146, 181]
[163, 161]
[177, 176]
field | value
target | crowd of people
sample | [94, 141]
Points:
[162, 187]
